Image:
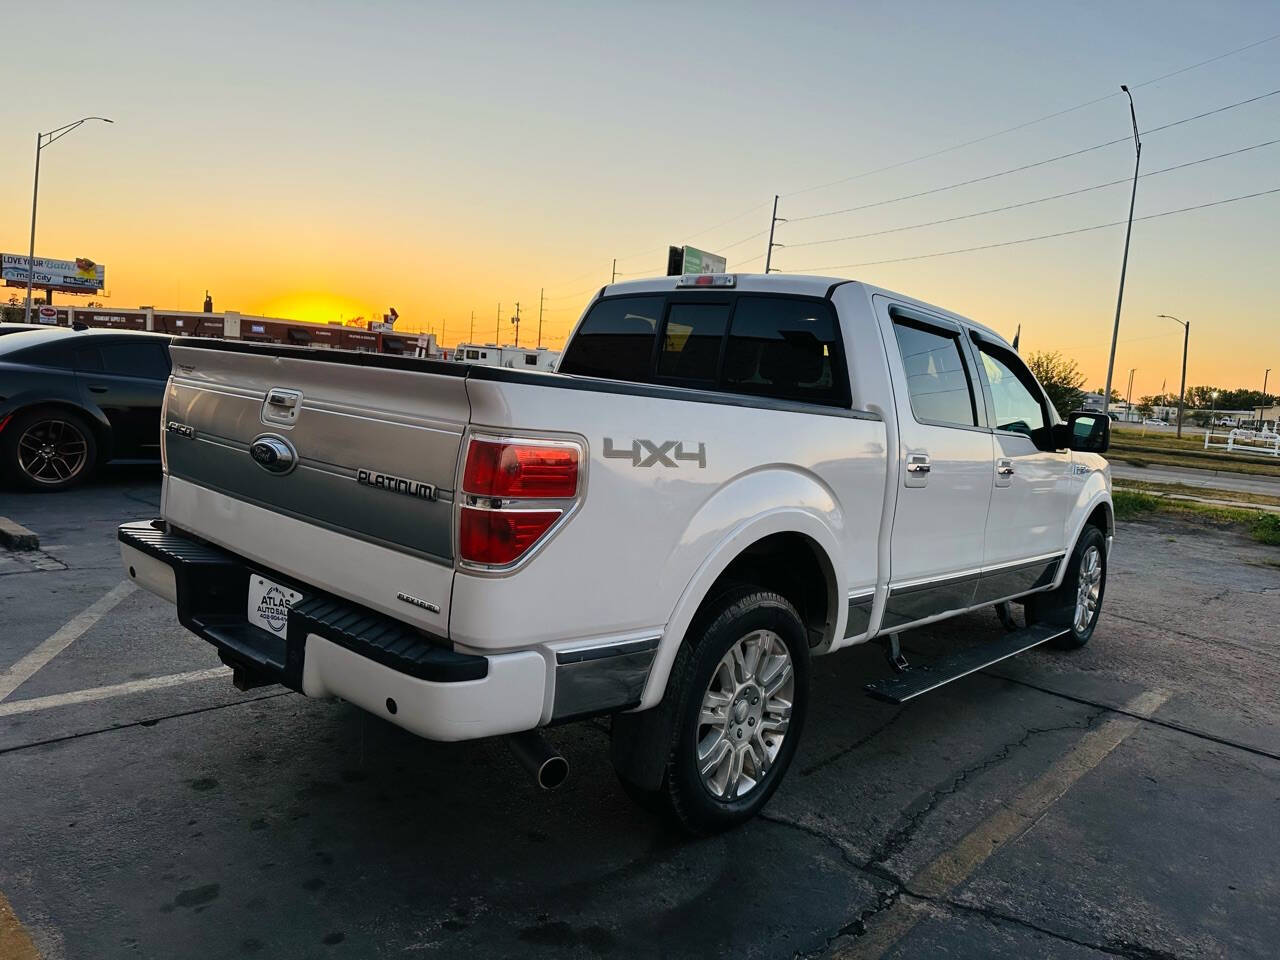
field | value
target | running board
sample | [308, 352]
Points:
[917, 680]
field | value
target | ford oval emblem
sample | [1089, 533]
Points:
[273, 453]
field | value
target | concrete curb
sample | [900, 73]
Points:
[17, 537]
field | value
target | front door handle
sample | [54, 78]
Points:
[97, 389]
[1004, 472]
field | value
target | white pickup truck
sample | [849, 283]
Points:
[727, 476]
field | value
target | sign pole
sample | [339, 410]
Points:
[31, 251]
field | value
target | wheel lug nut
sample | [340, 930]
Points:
[751, 722]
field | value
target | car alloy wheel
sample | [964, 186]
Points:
[1088, 588]
[745, 713]
[52, 452]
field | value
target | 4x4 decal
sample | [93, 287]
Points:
[648, 453]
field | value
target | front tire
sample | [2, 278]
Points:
[1077, 603]
[738, 694]
[48, 449]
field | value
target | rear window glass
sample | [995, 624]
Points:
[615, 340]
[783, 347]
[46, 355]
[691, 342]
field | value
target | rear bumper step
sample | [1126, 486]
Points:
[210, 590]
[922, 679]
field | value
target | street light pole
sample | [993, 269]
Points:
[43, 140]
[1186, 337]
[1124, 263]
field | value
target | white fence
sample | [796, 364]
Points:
[1263, 442]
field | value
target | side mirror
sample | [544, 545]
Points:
[1086, 432]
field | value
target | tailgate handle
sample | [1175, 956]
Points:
[281, 406]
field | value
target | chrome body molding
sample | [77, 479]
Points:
[593, 679]
[910, 603]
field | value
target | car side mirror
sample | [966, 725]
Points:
[1086, 432]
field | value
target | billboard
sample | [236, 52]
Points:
[699, 261]
[70, 276]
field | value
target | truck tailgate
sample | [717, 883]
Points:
[365, 510]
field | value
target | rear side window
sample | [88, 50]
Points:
[691, 342]
[147, 360]
[615, 340]
[783, 347]
[937, 379]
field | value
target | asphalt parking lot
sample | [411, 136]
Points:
[1118, 801]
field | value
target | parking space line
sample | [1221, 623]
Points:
[25, 669]
[953, 867]
[15, 942]
[105, 693]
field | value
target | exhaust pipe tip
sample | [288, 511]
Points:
[553, 773]
[545, 764]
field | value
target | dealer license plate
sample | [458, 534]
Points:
[269, 604]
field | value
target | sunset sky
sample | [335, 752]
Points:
[322, 160]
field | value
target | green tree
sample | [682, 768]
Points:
[1061, 379]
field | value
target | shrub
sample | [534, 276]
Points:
[1266, 528]
[1130, 503]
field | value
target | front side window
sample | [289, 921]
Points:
[784, 347]
[691, 342]
[1014, 394]
[937, 380]
[615, 340]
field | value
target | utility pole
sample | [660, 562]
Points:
[1186, 338]
[1128, 400]
[472, 337]
[614, 278]
[1265, 374]
[516, 321]
[540, 292]
[497, 327]
[773, 222]
[1124, 263]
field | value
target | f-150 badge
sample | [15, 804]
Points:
[649, 453]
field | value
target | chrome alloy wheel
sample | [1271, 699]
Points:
[1088, 589]
[52, 451]
[745, 714]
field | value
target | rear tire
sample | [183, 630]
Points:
[1077, 603]
[48, 448]
[737, 695]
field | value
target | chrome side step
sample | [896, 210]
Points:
[918, 680]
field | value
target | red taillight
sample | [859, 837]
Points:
[501, 482]
[498, 537]
[532, 471]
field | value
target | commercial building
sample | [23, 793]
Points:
[232, 325]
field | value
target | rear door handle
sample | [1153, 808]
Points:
[93, 389]
[918, 468]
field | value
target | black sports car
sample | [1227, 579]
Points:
[70, 401]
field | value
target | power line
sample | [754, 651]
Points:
[1028, 203]
[1037, 163]
[1029, 123]
[1044, 236]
